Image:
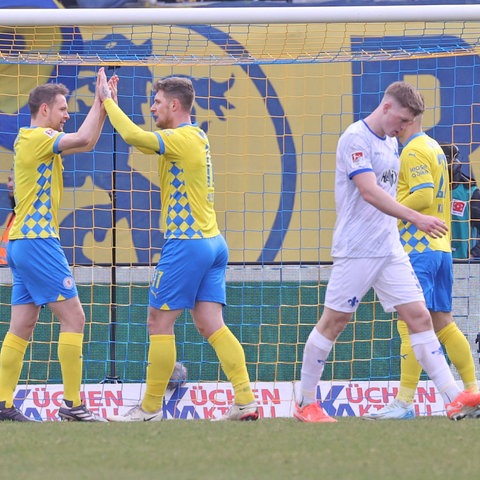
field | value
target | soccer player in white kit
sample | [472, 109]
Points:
[367, 252]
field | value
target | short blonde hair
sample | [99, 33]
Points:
[180, 88]
[407, 96]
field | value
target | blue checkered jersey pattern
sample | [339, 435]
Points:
[185, 174]
[423, 166]
[38, 181]
[186, 183]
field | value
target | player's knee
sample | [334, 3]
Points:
[420, 322]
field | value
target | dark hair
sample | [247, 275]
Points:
[451, 152]
[180, 88]
[455, 170]
[45, 94]
[407, 96]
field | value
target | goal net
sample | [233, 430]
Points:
[275, 89]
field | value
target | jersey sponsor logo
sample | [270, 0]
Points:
[390, 177]
[418, 170]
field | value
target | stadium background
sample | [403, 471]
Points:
[273, 130]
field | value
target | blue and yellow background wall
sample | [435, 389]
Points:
[273, 125]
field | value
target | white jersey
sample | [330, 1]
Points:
[361, 230]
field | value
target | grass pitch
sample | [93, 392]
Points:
[353, 448]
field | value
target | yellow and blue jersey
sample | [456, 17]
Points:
[185, 171]
[186, 183]
[38, 180]
[423, 165]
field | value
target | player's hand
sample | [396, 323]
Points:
[113, 86]
[103, 89]
[432, 226]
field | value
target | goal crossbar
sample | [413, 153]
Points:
[232, 15]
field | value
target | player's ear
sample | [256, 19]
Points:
[43, 109]
[386, 106]
[175, 104]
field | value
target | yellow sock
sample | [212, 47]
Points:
[410, 369]
[232, 359]
[11, 362]
[460, 354]
[162, 354]
[71, 363]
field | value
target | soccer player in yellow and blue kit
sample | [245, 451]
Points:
[191, 271]
[424, 186]
[41, 274]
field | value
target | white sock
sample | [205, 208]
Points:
[430, 356]
[317, 350]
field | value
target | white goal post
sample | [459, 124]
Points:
[232, 15]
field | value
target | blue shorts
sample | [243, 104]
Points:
[434, 271]
[190, 271]
[40, 271]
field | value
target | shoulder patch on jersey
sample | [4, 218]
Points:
[50, 132]
[357, 156]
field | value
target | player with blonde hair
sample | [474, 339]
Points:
[367, 252]
[191, 271]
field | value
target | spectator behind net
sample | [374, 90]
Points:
[465, 208]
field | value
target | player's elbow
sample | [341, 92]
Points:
[76, 142]
[424, 199]
[367, 195]
[87, 145]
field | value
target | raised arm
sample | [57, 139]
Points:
[86, 137]
[147, 142]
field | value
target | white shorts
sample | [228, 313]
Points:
[392, 278]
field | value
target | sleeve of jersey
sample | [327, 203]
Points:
[419, 199]
[146, 142]
[355, 156]
[416, 191]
